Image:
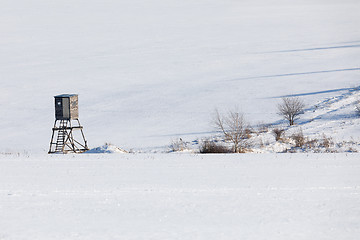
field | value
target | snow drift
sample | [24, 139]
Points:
[106, 148]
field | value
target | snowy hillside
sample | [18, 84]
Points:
[149, 72]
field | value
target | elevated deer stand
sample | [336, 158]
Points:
[67, 126]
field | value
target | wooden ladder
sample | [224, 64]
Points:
[61, 137]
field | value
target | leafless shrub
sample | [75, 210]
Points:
[278, 133]
[299, 139]
[351, 150]
[291, 108]
[316, 145]
[209, 146]
[301, 143]
[311, 143]
[233, 127]
[248, 132]
[326, 142]
[178, 145]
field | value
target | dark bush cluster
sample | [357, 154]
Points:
[214, 147]
[299, 139]
[278, 133]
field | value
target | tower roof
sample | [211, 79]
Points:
[65, 95]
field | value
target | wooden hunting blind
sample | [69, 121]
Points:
[63, 139]
[66, 107]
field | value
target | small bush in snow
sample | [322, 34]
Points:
[326, 142]
[248, 132]
[351, 150]
[311, 143]
[316, 145]
[209, 146]
[178, 145]
[299, 139]
[278, 133]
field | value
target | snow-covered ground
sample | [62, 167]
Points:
[180, 196]
[334, 119]
[149, 72]
[330, 125]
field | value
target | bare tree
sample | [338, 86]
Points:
[233, 126]
[291, 108]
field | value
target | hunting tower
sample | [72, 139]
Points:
[66, 122]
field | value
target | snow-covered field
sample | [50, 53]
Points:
[152, 72]
[149, 72]
[180, 196]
